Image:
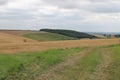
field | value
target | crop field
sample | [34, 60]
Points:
[9, 38]
[19, 32]
[40, 46]
[85, 59]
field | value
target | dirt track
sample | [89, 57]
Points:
[105, 62]
[51, 74]
[63, 70]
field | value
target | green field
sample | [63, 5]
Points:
[47, 36]
[99, 63]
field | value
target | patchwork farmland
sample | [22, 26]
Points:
[23, 58]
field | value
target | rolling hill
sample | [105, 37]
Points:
[70, 33]
[46, 36]
[37, 35]
[9, 38]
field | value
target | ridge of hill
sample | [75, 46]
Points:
[70, 33]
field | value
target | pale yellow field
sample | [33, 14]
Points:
[12, 43]
[9, 38]
[18, 32]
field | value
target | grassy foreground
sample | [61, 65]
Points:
[100, 63]
[26, 66]
[114, 68]
[47, 36]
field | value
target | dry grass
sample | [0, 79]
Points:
[38, 46]
[8, 38]
[18, 32]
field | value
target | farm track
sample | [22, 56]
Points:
[100, 72]
[52, 75]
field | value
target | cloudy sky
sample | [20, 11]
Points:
[81, 15]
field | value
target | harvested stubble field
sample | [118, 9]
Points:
[38, 46]
[18, 32]
[92, 59]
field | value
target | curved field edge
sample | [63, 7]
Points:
[28, 65]
[46, 36]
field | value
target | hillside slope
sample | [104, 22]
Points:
[9, 38]
[19, 32]
[46, 36]
[70, 33]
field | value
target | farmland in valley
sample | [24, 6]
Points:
[84, 59]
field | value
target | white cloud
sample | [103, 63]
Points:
[84, 15]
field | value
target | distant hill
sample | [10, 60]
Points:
[70, 33]
[46, 36]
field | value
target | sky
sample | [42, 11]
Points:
[80, 15]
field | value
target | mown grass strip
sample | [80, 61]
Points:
[27, 66]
